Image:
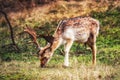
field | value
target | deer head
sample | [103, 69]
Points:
[45, 55]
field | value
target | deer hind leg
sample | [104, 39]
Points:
[94, 54]
[92, 43]
[67, 49]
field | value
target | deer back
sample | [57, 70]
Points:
[78, 29]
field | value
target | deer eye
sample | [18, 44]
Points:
[44, 58]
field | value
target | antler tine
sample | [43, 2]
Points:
[33, 35]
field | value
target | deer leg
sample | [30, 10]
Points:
[67, 49]
[94, 54]
[92, 43]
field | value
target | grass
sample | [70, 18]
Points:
[30, 70]
[24, 65]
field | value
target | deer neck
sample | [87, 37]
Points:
[56, 43]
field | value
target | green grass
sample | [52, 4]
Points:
[24, 65]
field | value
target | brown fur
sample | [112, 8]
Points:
[81, 29]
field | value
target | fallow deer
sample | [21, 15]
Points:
[80, 29]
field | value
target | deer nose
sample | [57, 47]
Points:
[43, 62]
[42, 65]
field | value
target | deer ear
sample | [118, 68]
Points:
[49, 39]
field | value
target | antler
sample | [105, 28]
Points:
[34, 36]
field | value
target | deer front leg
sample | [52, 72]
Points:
[67, 49]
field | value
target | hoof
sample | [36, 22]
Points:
[42, 66]
[65, 66]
